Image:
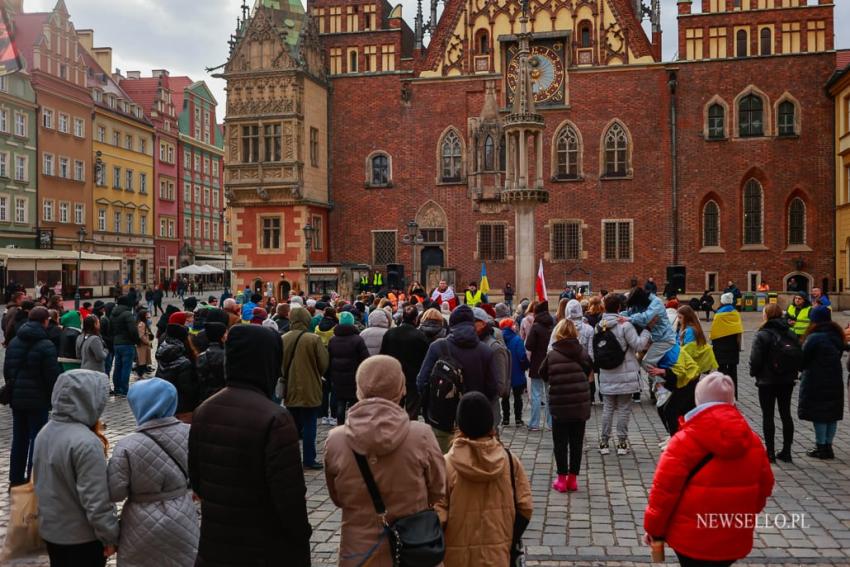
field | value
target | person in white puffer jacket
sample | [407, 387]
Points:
[373, 336]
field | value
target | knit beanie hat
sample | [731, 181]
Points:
[462, 314]
[190, 303]
[176, 331]
[346, 318]
[178, 318]
[481, 315]
[502, 311]
[489, 309]
[296, 300]
[258, 315]
[475, 415]
[574, 311]
[727, 299]
[507, 323]
[820, 314]
[215, 331]
[380, 376]
[715, 387]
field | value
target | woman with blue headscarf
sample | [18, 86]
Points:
[149, 468]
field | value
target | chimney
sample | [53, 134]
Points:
[159, 73]
[103, 56]
[86, 39]
[684, 7]
[134, 74]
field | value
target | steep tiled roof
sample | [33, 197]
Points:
[97, 77]
[842, 59]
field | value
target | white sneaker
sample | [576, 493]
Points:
[662, 396]
[664, 442]
[603, 448]
[623, 448]
[332, 421]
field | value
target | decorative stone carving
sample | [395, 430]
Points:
[431, 215]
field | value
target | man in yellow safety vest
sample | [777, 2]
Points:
[473, 295]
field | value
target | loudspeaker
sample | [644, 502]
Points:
[676, 279]
[395, 276]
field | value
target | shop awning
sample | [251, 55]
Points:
[28, 259]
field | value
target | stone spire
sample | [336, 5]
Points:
[524, 95]
[418, 29]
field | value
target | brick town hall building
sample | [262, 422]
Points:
[717, 164]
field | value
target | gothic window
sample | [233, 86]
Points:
[567, 153]
[566, 240]
[250, 144]
[766, 39]
[797, 222]
[482, 42]
[272, 139]
[491, 242]
[785, 119]
[451, 156]
[271, 233]
[379, 170]
[741, 41]
[753, 211]
[751, 116]
[716, 122]
[383, 247]
[616, 151]
[489, 154]
[314, 147]
[503, 154]
[711, 224]
[585, 34]
[617, 241]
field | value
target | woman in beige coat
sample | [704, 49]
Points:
[403, 456]
[143, 349]
[479, 507]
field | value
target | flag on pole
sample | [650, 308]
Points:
[484, 286]
[9, 61]
[540, 286]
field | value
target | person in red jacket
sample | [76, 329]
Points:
[711, 482]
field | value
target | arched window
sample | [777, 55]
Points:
[785, 118]
[751, 116]
[766, 41]
[797, 222]
[483, 42]
[380, 170]
[450, 157]
[567, 153]
[716, 122]
[616, 152]
[711, 224]
[753, 208]
[741, 41]
[585, 34]
[352, 61]
[503, 153]
[489, 154]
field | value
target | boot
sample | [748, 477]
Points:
[828, 454]
[818, 452]
[560, 484]
[771, 457]
[784, 455]
[572, 483]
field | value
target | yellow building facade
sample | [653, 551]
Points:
[839, 89]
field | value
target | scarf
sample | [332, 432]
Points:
[726, 324]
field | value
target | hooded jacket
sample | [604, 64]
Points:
[346, 351]
[408, 345]
[566, 369]
[675, 503]
[472, 356]
[31, 363]
[211, 371]
[159, 521]
[433, 330]
[405, 461]
[69, 465]
[478, 509]
[373, 335]
[91, 350]
[763, 346]
[174, 365]
[519, 359]
[245, 463]
[625, 379]
[324, 328]
[71, 329]
[162, 324]
[821, 382]
[537, 342]
[303, 384]
[122, 324]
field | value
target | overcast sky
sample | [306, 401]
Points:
[187, 36]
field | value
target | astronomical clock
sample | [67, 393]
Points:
[548, 74]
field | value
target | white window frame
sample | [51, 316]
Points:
[64, 211]
[4, 208]
[47, 118]
[63, 123]
[79, 213]
[64, 163]
[143, 224]
[21, 124]
[20, 210]
[47, 206]
[21, 168]
[4, 164]
[48, 165]
[4, 120]
[143, 183]
[79, 170]
[116, 222]
[101, 220]
[79, 127]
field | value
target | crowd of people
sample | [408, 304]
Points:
[229, 394]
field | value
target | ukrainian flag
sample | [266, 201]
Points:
[484, 287]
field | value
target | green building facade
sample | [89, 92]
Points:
[18, 161]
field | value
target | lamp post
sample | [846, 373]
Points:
[225, 245]
[413, 237]
[81, 234]
[309, 231]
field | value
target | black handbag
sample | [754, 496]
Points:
[415, 540]
[520, 523]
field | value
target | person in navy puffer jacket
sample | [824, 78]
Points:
[519, 364]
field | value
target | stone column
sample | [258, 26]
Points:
[525, 261]
[523, 159]
[538, 149]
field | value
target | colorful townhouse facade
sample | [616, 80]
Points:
[839, 89]
[155, 96]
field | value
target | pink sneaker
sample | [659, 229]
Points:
[572, 483]
[560, 484]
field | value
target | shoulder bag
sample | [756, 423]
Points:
[520, 523]
[415, 540]
[280, 390]
[170, 456]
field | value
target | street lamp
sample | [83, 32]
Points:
[225, 245]
[413, 237]
[309, 232]
[81, 234]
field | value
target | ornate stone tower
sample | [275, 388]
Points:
[522, 126]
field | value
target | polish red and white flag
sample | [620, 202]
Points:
[540, 286]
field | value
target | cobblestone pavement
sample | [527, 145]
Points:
[601, 524]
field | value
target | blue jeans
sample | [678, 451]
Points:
[123, 366]
[305, 421]
[25, 426]
[538, 396]
[825, 432]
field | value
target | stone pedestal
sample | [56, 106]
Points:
[525, 260]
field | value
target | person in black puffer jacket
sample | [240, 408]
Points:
[211, 361]
[211, 315]
[175, 359]
[433, 325]
[20, 317]
[347, 350]
[30, 370]
[162, 323]
[821, 383]
[408, 345]
[245, 463]
[537, 344]
[125, 336]
[775, 385]
[568, 369]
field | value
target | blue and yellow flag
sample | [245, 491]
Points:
[485, 285]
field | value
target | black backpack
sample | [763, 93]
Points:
[445, 387]
[607, 353]
[785, 355]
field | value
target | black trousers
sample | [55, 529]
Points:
[80, 555]
[342, 409]
[685, 561]
[730, 370]
[412, 403]
[568, 438]
[517, 391]
[681, 402]
[769, 397]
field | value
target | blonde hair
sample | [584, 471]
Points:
[562, 310]
[565, 329]
[431, 315]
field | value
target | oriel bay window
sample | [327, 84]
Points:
[250, 144]
[272, 140]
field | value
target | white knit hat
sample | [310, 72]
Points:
[727, 299]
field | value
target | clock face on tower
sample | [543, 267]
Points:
[547, 74]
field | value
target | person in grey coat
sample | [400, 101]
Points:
[77, 520]
[618, 384]
[148, 468]
[373, 336]
[90, 346]
[501, 358]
